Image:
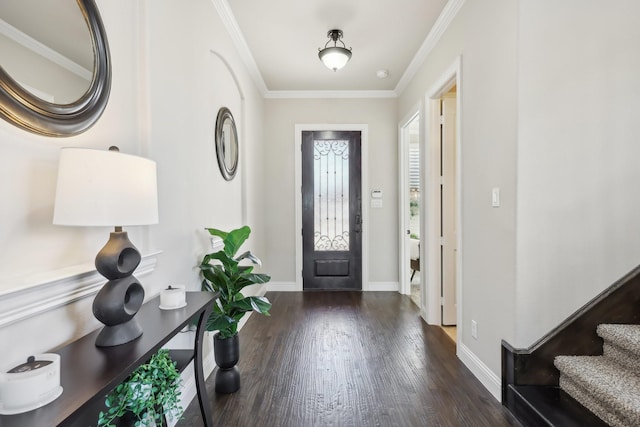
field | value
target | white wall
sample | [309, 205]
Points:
[35, 71]
[485, 35]
[549, 98]
[194, 71]
[167, 88]
[578, 151]
[281, 116]
[32, 248]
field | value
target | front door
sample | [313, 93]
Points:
[331, 210]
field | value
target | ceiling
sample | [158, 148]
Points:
[279, 40]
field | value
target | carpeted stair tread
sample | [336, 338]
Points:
[626, 337]
[607, 382]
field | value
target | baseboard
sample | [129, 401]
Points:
[382, 287]
[486, 376]
[282, 287]
[188, 390]
[371, 286]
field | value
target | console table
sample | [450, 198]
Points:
[88, 373]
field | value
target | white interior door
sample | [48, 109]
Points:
[448, 217]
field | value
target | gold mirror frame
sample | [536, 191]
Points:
[20, 107]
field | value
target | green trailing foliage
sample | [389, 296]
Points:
[222, 273]
[151, 391]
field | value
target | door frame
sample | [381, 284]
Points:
[431, 312]
[403, 207]
[364, 184]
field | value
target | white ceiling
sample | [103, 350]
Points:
[280, 40]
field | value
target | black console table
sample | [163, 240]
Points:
[88, 373]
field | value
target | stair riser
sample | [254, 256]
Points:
[590, 402]
[625, 337]
[623, 357]
[605, 381]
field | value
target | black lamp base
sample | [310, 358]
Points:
[119, 334]
[122, 296]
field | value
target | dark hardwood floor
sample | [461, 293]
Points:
[349, 359]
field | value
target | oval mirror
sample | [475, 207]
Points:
[55, 73]
[226, 143]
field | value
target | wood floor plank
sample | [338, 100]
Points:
[349, 359]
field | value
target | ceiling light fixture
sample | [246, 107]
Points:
[334, 57]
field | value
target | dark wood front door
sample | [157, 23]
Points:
[331, 210]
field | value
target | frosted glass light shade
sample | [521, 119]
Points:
[334, 58]
[105, 188]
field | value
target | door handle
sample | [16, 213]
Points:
[358, 227]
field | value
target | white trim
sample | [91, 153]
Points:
[383, 287]
[241, 122]
[433, 314]
[449, 12]
[230, 23]
[487, 377]
[44, 51]
[447, 15]
[403, 207]
[329, 94]
[188, 389]
[364, 154]
[282, 287]
[57, 289]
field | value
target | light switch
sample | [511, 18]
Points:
[495, 197]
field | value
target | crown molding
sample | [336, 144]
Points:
[329, 94]
[42, 50]
[230, 23]
[449, 12]
[447, 15]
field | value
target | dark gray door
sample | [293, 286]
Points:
[331, 210]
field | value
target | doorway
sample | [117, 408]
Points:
[410, 207]
[297, 196]
[442, 224]
[331, 210]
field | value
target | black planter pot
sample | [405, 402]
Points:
[227, 353]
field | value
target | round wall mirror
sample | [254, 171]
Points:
[55, 71]
[226, 143]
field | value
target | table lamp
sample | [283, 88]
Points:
[109, 188]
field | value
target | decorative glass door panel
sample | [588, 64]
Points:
[331, 195]
[331, 210]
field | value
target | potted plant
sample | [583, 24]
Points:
[150, 392]
[222, 273]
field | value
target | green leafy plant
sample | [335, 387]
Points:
[151, 391]
[222, 273]
[414, 208]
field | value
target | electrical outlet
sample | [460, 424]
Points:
[474, 329]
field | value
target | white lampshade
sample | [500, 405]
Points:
[334, 58]
[105, 188]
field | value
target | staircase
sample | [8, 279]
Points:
[608, 385]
